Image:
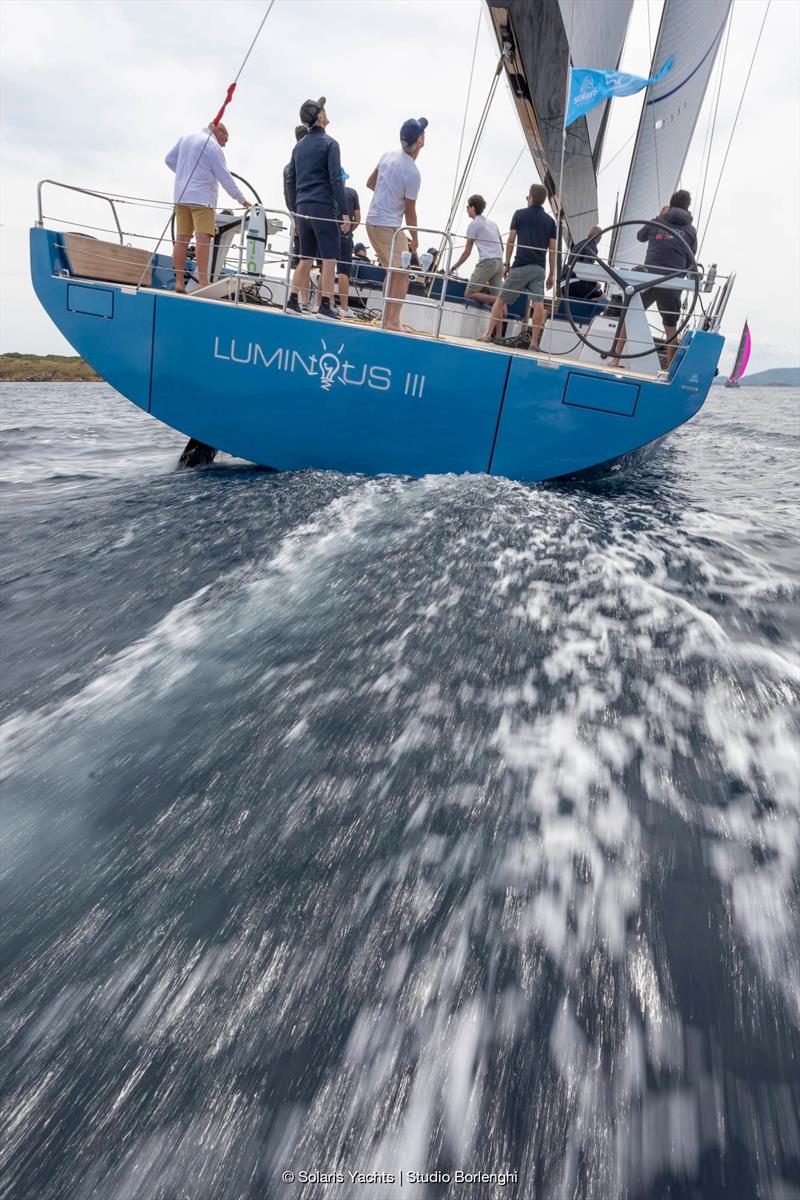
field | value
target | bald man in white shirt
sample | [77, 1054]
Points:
[200, 167]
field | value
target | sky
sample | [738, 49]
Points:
[95, 92]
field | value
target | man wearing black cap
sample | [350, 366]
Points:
[396, 182]
[315, 192]
[300, 132]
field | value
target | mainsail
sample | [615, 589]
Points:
[540, 41]
[690, 34]
[742, 356]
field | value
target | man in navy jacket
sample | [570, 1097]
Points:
[315, 192]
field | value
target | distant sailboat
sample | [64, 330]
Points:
[742, 358]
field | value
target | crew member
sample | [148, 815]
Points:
[346, 248]
[300, 132]
[582, 252]
[396, 182]
[199, 166]
[670, 249]
[316, 193]
[537, 234]
[484, 282]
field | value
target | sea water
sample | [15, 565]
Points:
[383, 838]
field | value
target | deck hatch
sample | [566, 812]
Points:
[601, 395]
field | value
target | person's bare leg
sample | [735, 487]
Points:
[480, 297]
[538, 324]
[671, 347]
[203, 243]
[619, 346]
[301, 279]
[395, 295]
[179, 261]
[326, 279]
[496, 317]
[344, 293]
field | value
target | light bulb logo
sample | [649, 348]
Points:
[328, 367]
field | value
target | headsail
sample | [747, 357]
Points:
[742, 356]
[690, 34]
[541, 40]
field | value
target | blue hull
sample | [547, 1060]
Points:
[292, 392]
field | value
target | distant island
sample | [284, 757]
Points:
[45, 368]
[774, 377]
[64, 368]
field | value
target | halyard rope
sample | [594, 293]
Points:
[216, 121]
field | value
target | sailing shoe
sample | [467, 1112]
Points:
[292, 304]
[325, 310]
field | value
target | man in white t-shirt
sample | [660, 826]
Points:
[396, 181]
[485, 280]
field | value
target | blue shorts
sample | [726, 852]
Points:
[318, 231]
[345, 254]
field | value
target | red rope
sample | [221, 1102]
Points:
[225, 104]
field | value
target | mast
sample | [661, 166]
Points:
[540, 40]
[690, 34]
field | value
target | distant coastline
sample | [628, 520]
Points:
[64, 368]
[774, 377]
[45, 368]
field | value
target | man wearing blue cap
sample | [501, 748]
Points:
[396, 181]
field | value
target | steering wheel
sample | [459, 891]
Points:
[629, 290]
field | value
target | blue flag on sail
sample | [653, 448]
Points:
[588, 88]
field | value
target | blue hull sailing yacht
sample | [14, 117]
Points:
[229, 367]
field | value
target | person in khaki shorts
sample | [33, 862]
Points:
[199, 166]
[396, 182]
[534, 233]
[485, 280]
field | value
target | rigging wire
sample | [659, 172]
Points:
[474, 146]
[505, 181]
[468, 165]
[466, 105]
[617, 153]
[255, 39]
[217, 119]
[735, 123]
[705, 156]
[713, 124]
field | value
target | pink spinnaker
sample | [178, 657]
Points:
[742, 356]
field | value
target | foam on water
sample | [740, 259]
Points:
[425, 825]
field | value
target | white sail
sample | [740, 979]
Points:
[596, 33]
[690, 34]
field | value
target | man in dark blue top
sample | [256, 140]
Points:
[345, 263]
[534, 233]
[300, 132]
[315, 192]
[582, 252]
[666, 251]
